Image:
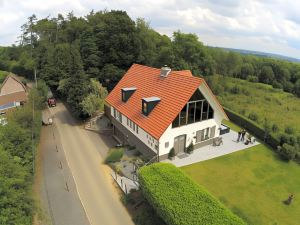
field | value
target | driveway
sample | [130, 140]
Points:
[84, 152]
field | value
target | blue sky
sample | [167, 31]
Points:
[265, 25]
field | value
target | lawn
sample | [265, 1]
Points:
[253, 184]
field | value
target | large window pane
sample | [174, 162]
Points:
[176, 122]
[210, 113]
[182, 118]
[198, 111]
[204, 110]
[191, 112]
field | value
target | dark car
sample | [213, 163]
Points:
[51, 102]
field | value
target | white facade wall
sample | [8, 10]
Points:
[190, 132]
[191, 129]
[146, 138]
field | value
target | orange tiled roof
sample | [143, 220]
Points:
[174, 91]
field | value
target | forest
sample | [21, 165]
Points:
[67, 51]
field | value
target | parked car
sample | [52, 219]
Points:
[51, 102]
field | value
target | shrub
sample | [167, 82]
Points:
[289, 130]
[253, 116]
[190, 148]
[275, 128]
[288, 152]
[180, 201]
[114, 155]
[171, 153]
[253, 79]
[235, 90]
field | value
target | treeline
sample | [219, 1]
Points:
[17, 159]
[104, 44]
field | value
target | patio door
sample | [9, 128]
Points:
[179, 144]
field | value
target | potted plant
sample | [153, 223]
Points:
[172, 154]
[190, 148]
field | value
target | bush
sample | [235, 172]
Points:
[253, 79]
[289, 130]
[253, 116]
[114, 155]
[190, 148]
[288, 152]
[275, 128]
[171, 153]
[180, 201]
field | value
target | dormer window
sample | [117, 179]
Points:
[126, 93]
[148, 104]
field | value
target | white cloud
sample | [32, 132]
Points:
[269, 25]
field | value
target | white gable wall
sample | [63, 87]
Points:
[191, 129]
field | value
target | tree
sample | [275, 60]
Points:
[297, 88]
[266, 75]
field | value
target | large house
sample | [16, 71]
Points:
[13, 93]
[156, 110]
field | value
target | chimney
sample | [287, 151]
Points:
[165, 70]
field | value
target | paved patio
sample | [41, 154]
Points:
[209, 152]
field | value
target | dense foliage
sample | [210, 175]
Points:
[179, 200]
[17, 158]
[103, 45]
[268, 113]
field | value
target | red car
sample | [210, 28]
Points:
[51, 102]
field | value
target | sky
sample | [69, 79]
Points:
[261, 25]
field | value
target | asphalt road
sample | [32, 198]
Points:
[84, 151]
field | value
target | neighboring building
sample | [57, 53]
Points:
[157, 109]
[13, 93]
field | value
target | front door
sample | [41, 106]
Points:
[179, 144]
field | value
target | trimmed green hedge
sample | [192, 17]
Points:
[180, 201]
[252, 127]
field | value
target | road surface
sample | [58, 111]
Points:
[84, 151]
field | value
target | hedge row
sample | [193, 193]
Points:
[180, 201]
[252, 127]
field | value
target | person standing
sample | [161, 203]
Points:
[243, 135]
[239, 135]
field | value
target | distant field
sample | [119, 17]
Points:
[280, 108]
[253, 184]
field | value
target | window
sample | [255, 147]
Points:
[202, 135]
[191, 112]
[144, 108]
[133, 127]
[167, 144]
[119, 115]
[204, 111]
[115, 113]
[137, 129]
[196, 110]
[210, 112]
[130, 124]
[127, 122]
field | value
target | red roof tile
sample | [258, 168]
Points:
[174, 91]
